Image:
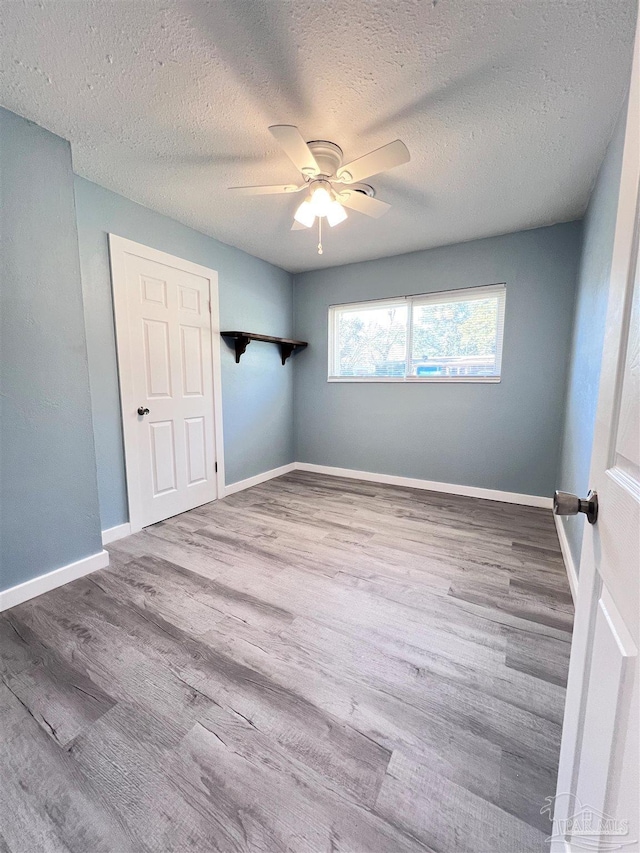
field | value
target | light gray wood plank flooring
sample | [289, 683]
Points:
[314, 664]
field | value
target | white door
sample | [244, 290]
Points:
[167, 365]
[598, 790]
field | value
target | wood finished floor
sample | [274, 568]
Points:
[315, 664]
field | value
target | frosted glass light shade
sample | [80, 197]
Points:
[305, 214]
[336, 213]
[320, 201]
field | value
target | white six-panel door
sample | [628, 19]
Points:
[597, 804]
[169, 369]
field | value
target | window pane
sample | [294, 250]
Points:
[371, 341]
[456, 338]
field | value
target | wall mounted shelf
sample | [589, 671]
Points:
[243, 339]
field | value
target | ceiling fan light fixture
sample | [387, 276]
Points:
[336, 214]
[305, 214]
[330, 186]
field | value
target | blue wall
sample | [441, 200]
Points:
[502, 436]
[49, 494]
[257, 394]
[588, 333]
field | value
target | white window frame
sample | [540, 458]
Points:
[456, 295]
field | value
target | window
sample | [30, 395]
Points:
[449, 336]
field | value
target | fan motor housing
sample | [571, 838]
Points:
[328, 156]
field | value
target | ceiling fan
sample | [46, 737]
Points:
[330, 185]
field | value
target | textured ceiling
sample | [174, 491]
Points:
[505, 105]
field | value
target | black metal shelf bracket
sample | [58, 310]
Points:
[241, 344]
[286, 350]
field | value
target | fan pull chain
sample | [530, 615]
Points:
[319, 235]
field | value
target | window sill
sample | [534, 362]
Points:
[411, 380]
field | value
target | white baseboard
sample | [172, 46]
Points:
[429, 485]
[572, 573]
[393, 480]
[112, 534]
[58, 577]
[232, 488]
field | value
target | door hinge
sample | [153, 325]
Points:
[216, 467]
[209, 307]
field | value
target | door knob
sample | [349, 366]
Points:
[142, 410]
[565, 503]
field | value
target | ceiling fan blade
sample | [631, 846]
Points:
[363, 203]
[388, 157]
[295, 148]
[267, 190]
